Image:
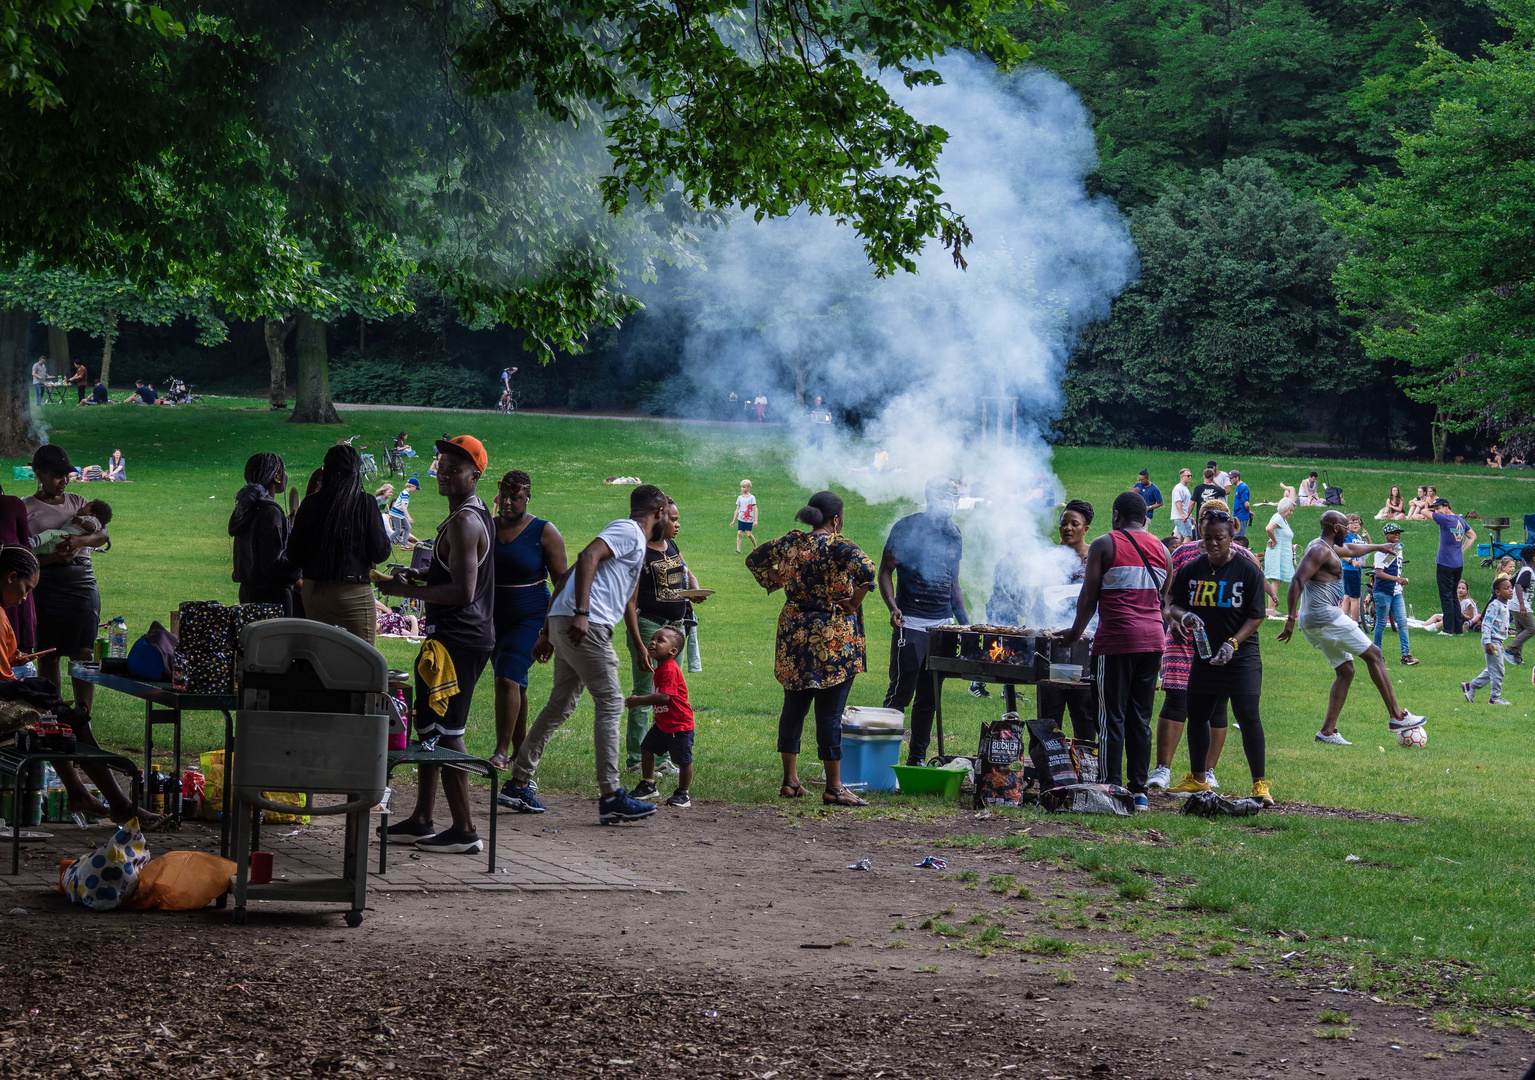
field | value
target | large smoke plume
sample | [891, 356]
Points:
[911, 357]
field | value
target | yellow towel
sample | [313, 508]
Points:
[435, 667]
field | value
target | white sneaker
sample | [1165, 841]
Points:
[1499, 701]
[666, 768]
[1468, 691]
[1336, 738]
[1161, 777]
[1409, 720]
[1210, 779]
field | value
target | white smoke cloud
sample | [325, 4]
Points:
[915, 354]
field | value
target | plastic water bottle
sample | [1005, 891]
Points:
[117, 639]
[1201, 640]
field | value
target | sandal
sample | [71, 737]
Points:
[842, 797]
[793, 791]
[499, 762]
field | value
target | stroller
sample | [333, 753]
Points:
[178, 392]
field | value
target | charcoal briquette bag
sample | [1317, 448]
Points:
[999, 767]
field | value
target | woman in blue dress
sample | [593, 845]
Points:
[529, 553]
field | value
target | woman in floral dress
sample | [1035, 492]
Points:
[820, 635]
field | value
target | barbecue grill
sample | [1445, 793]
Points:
[1009, 655]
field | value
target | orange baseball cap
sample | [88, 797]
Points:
[467, 445]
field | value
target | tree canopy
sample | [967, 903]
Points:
[1441, 260]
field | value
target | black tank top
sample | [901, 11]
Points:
[471, 625]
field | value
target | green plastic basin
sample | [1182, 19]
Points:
[920, 780]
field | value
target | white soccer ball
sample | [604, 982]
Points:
[1412, 737]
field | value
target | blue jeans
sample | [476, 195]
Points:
[1395, 605]
[39, 388]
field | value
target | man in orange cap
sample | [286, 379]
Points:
[458, 588]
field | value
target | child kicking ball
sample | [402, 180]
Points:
[671, 726]
[1494, 630]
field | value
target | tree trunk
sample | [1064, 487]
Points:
[275, 334]
[58, 350]
[1439, 432]
[108, 339]
[312, 404]
[18, 430]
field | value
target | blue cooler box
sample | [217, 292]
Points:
[871, 747]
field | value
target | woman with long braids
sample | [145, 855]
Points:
[824, 577]
[337, 538]
[260, 531]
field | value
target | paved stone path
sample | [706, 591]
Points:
[524, 863]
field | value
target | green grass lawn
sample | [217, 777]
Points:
[1456, 885]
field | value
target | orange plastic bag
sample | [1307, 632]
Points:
[181, 881]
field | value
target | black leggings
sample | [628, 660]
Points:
[1208, 706]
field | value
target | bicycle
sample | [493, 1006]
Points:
[395, 460]
[508, 403]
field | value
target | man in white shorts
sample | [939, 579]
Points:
[1315, 595]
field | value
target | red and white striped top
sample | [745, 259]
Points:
[1130, 603]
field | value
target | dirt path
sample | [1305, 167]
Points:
[715, 981]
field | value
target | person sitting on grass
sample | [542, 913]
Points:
[117, 468]
[92, 517]
[1470, 618]
[671, 729]
[1417, 506]
[143, 394]
[1494, 632]
[97, 396]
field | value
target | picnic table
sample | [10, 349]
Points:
[164, 705]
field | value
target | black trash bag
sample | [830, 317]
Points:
[1208, 804]
[1088, 799]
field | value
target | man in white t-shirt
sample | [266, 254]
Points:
[589, 601]
[40, 377]
[1183, 505]
[1521, 618]
[1222, 477]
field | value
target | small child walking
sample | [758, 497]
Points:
[1494, 631]
[746, 515]
[671, 725]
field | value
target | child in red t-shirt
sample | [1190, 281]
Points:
[671, 729]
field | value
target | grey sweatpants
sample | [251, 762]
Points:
[1492, 675]
[1523, 623]
[592, 665]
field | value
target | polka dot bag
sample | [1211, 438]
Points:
[108, 875]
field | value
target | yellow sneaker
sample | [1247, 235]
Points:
[1261, 792]
[1190, 784]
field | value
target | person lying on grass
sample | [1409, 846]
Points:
[671, 728]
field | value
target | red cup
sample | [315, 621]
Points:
[261, 867]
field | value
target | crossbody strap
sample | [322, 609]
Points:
[1162, 584]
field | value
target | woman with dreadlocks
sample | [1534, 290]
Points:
[260, 531]
[337, 538]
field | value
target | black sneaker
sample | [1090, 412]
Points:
[620, 807]
[645, 789]
[452, 842]
[679, 800]
[410, 828]
[978, 690]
